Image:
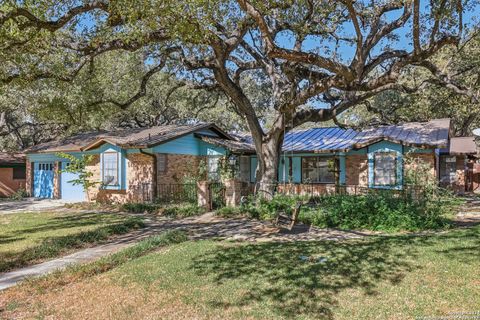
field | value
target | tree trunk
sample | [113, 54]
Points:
[268, 162]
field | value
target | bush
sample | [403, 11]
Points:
[141, 207]
[264, 209]
[229, 212]
[183, 210]
[380, 210]
[20, 194]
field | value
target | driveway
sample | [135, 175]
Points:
[30, 205]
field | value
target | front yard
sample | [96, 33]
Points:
[380, 277]
[27, 238]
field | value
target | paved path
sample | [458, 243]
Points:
[203, 227]
[30, 205]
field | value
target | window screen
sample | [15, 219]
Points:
[318, 170]
[161, 162]
[213, 168]
[448, 168]
[385, 169]
[110, 168]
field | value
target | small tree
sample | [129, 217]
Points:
[79, 166]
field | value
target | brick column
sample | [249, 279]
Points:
[233, 192]
[56, 180]
[29, 178]
[203, 195]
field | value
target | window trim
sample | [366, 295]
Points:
[335, 180]
[117, 185]
[395, 157]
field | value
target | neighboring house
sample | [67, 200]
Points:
[12, 173]
[128, 163]
[374, 157]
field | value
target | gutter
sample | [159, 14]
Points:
[155, 176]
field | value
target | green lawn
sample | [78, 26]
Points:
[26, 238]
[392, 277]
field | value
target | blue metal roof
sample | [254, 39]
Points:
[432, 134]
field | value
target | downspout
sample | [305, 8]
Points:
[154, 182]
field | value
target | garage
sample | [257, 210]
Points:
[68, 190]
[43, 179]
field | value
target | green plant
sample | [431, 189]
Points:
[141, 207]
[19, 195]
[183, 210]
[229, 212]
[78, 165]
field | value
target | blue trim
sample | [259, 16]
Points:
[385, 146]
[343, 169]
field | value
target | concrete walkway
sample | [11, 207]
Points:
[202, 227]
[30, 205]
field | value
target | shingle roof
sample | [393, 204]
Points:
[131, 138]
[7, 158]
[434, 133]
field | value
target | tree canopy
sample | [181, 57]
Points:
[304, 61]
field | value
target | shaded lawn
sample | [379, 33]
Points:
[26, 238]
[391, 277]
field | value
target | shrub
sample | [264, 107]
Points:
[229, 212]
[379, 210]
[183, 210]
[20, 194]
[141, 207]
[264, 209]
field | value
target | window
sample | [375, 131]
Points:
[161, 163]
[110, 168]
[385, 169]
[19, 173]
[213, 168]
[318, 170]
[448, 168]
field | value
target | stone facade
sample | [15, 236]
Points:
[356, 167]
[141, 179]
[178, 166]
[413, 159]
[460, 177]
[29, 178]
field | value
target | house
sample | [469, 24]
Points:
[12, 173]
[130, 164]
[322, 158]
[135, 164]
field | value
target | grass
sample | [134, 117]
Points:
[382, 277]
[27, 238]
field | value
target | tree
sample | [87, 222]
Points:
[433, 100]
[314, 58]
[78, 166]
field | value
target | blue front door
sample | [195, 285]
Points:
[43, 179]
[70, 191]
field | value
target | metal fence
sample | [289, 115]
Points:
[142, 192]
[172, 193]
[217, 195]
[314, 190]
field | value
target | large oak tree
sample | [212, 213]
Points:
[313, 59]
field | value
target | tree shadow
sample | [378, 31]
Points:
[69, 221]
[305, 278]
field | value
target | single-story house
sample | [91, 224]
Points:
[12, 173]
[131, 162]
[374, 157]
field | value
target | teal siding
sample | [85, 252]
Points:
[385, 146]
[342, 168]
[189, 145]
[253, 168]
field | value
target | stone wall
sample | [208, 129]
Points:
[141, 178]
[29, 178]
[356, 170]
[460, 177]
[414, 159]
[177, 167]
